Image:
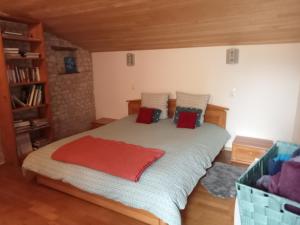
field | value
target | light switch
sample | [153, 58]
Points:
[233, 92]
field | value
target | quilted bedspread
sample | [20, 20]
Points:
[164, 187]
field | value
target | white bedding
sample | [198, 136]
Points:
[164, 187]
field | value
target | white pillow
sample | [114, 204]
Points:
[157, 101]
[192, 101]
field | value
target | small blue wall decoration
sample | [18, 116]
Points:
[70, 65]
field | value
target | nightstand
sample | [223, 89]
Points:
[246, 149]
[101, 122]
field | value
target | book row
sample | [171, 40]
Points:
[18, 74]
[33, 97]
[16, 52]
[27, 125]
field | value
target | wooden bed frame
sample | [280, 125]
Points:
[214, 114]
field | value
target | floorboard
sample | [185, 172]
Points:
[25, 203]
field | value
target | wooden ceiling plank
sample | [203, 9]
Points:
[142, 24]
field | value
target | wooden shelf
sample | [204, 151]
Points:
[32, 129]
[62, 48]
[25, 108]
[20, 38]
[21, 58]
[26, 83]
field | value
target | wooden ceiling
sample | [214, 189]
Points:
[114, 25]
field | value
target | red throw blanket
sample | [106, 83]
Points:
[114, 157]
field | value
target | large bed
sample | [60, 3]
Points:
[163, 188]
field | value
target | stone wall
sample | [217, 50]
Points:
[72, 98]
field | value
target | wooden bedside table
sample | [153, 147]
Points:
[101, 122]
[246, 149]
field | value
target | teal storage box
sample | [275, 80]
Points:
[258, 207]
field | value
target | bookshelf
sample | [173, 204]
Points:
[10, 58]
[25, 108]
[23, 77]
[26, 83]
[22, 39]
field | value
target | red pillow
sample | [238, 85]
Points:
[187, 120]
[145, 115]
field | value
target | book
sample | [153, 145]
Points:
[12, 55]
[40, 122]
[8, 76]
[39, 100]
[18, 101]
[18, 123]
[23, 129]
[24, 145]
[11, 49]
[37, 71]
[32, 95]
[32, 55]
[35, 96]
[13, 104]
[13, 33]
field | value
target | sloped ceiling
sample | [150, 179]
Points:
[114, 25]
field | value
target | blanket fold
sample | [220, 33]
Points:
[117, 158]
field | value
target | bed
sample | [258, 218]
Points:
[163, 188]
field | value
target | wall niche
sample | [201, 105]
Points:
[66, 60]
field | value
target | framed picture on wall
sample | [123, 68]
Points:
[70, 65]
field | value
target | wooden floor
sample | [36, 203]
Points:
[25, 203]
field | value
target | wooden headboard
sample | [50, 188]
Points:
[214, 114]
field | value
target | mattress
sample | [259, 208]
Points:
[164, 187]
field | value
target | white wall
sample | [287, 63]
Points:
[266, 79]
[296, 138]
